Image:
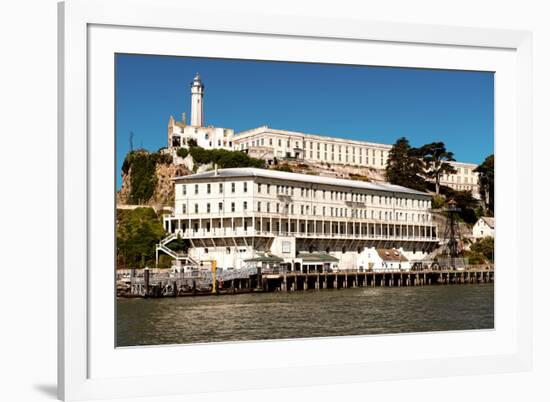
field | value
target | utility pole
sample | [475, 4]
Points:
[131, 141]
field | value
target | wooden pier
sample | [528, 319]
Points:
[179, 284]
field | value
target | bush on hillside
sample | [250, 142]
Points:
[182, 152]
[485, 246]
[224, 158]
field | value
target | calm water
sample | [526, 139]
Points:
[304, 314]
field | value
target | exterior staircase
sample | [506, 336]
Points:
[184, 258]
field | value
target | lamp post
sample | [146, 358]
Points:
[213, 267]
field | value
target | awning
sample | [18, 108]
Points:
[268, 258]
[317, 257]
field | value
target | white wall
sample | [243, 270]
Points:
[28, 94]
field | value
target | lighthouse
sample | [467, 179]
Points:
[197, 94]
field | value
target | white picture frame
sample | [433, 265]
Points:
[88, 370]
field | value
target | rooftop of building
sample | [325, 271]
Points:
[489, 220]
[391, 255]
[318, 137]
[297, 177]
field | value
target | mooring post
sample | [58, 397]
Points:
[146, 280]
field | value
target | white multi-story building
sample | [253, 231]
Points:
[272, 144]
[465, 178]
[237, 215]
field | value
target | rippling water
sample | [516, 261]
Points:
[304, 314]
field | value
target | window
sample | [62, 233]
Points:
[220, 206]
[279, 142]
[184, 189]
[259, 187]
[259, 206]
[245, 187]
[232, 187]
[270, 141]
[196, 208]
[208, 207]
[196, 188]
[220, 188]
[268, 204]
[245, 205]
[228, 250]
[208, 188]
[232, 207]
[184, 208]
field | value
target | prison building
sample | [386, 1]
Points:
[242, 215]
[272, 144]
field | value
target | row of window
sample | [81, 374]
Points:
[459, 179]
[209, 188]
[313, 145]
[305, 210]
[316, 194]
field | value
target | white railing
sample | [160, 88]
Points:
[228, 232]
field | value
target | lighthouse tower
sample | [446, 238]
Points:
[197, 94]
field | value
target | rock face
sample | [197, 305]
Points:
[163, 195]
[339, 171]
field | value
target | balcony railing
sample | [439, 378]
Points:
[228, 232]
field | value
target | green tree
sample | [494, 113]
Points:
[143, 178]
[436, 162]
[465, 201]
[486, 173]
[485, 246]
[137, 233]
[403, 167]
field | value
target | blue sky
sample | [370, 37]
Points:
[378, 104]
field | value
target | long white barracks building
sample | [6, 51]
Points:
[243, 215]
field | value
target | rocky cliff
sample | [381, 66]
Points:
[159, 188]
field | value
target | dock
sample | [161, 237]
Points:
[168, 284]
